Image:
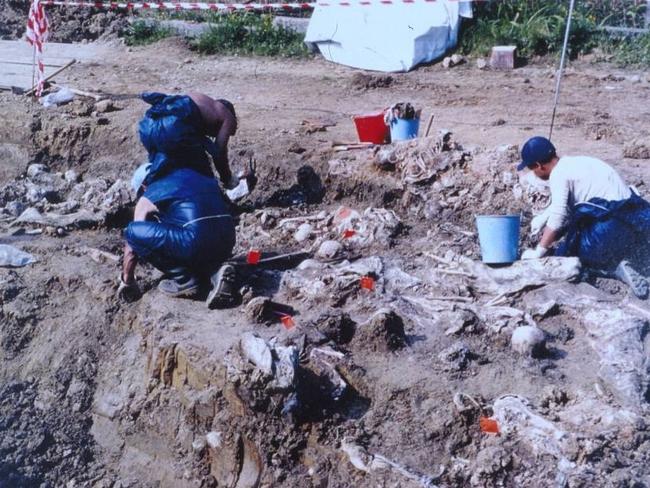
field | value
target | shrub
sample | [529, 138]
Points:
[143, 32]
[249, 33]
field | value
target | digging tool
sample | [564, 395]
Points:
[279, 262]
[49, 77]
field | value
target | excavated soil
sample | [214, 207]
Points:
[382, 385]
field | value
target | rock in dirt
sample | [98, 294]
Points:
[637, 148]
[528, 341]
[456, 357]
[104, 106]
[303, 232]
[384, 332]
[34, 170]
[459, 321]
[336, 326]
[213, 439]
[329, 249]
[259, 309]
[457, 59]
[481, 63]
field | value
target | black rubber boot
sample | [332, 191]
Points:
[628, 275]
[224, 291]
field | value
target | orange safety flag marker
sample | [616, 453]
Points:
[287, 322]
[367, 283]
[488, 425]
[254, 256]
[347, 233]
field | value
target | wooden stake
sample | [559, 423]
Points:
[48, 78]
[426, 134]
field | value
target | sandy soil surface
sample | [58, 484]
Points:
[382, 388]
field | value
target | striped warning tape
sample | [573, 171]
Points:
[230, 7]
[216, 7]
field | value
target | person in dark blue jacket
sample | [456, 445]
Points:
[182, 226]
[185, 131]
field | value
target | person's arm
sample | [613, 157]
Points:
[142, 209]
[129, 263]
[221, 157]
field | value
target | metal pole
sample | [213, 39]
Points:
[559, 74]
[34, 65]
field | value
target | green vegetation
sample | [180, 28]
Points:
[537, 27]
[143, 32]
[250, 33]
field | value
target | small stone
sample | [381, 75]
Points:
[303, 232]
[15, 208]
[328, 249]
[104, 106]
[481, 63]
[634, 79]
[529, 341]
[199, 444]
[102, 121]
[457, 59]
[456, 357]
[34, 170]
[446, 63]
[71, 176]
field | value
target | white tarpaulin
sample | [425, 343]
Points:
[386, 35]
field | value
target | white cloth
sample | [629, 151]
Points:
[386, 36]
[578, 179]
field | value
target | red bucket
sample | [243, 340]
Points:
[371, 128]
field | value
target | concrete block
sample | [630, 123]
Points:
[503, 57]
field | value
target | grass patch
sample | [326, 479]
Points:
[250, 33]
[537, 28]
[142, 32]
[629, 50]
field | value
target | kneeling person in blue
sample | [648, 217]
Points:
[603, 221]
[182, 227]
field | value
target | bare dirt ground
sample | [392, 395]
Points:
[371, 388]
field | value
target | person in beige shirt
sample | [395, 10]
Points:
[600, 218]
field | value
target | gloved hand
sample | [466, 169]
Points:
[539, 252]
[232, 182]
[129, 292]
[538, 223]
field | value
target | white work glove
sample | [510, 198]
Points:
[129, 292]
[539, 252]
[538, 223]
[232, 182]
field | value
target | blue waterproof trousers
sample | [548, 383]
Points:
[189, 237]
[603, 233]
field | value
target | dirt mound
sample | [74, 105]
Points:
[364, 81]
[67, 24]
[13, 18]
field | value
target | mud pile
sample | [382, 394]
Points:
[69, 24]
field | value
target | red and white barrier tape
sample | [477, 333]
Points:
[216, 7]
[231, 7]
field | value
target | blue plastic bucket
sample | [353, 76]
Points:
[498, 236]
[404, 129]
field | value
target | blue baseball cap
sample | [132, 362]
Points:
[536, 149]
